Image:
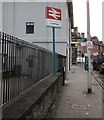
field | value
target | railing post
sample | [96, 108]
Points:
[0, 79]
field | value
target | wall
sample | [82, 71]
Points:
[35, 102]
[17, 14]
[97, 48]
[0, 15]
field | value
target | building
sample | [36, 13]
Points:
[79, 43]
[26, 20]
[98, 46]
[74, 43]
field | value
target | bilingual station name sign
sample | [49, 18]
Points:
[53, 17]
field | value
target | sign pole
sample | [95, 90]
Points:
[82, 62]
[53, 19]
[88, 51]
[54, 54]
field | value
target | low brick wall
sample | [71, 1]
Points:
[35, 102]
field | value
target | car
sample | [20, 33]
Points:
[80, 59]
[101, 70]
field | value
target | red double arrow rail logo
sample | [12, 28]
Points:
[53, 13]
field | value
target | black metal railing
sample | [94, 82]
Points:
[23, 65]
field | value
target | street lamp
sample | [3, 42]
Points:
[89, 51]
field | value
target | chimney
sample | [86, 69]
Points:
[83, 35]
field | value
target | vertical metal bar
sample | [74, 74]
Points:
[27, 74]
[20, 58]
[32, 72]
[11, 61]
[13, 80]
[6, 70]
[11, 65]
[30, 77]
[23, 69]
[22, 62]
[36, 59]
[8, 66]
[3, 82]
[15, 59]
[47, 64]
[29, 67]
[51, 63]
[35, 66]
[54, 54]
[17, 66]
[38, 64]
[50, 69]
[1, 77]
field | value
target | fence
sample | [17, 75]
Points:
[23, 65]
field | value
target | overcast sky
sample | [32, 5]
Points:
[80, 16]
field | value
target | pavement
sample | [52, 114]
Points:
[73, 101]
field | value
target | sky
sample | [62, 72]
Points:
[80, 17]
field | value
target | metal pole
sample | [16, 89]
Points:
[88, 50]
[54, 54]
[0, 79]
[1, 8]
[82, 62]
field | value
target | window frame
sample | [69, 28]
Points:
[27, 31]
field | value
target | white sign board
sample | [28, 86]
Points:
[90, 44]
[53, 23]
[83, 42]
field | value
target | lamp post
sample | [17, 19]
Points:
[89, 51]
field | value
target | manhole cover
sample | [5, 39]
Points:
[81, 107]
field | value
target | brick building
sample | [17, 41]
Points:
[98, 46]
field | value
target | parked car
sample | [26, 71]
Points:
[80, 59]
[97, 62]
[101, 70]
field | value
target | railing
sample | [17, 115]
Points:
[23, 65]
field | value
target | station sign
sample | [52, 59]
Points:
[90, 44]
[83, 42]
[53, 17]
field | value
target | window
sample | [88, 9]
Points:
[29, 27]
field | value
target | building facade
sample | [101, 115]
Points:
[98, 47]
[26, 20]
[78, 44]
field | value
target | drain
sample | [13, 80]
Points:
[80, 107]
